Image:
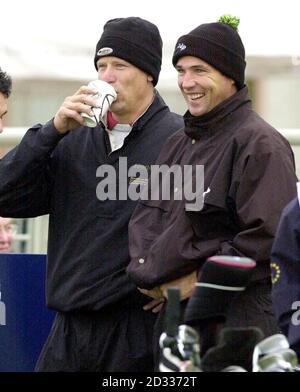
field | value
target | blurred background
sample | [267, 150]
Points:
[48, 48]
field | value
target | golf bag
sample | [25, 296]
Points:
[203, 344]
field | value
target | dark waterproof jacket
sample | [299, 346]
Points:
[88, 237]
[249, 176]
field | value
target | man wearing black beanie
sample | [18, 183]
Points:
[59, 168]
[249, 176]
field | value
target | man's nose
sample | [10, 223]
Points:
[187, 81]
[108, 75]
[4, 236]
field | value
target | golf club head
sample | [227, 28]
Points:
[273, 353]
[188, 344]
[221, 279]
[283, 361]
[169, 362]
[180, 354]
[234, 369]
[168, 339]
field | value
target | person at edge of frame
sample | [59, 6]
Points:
[285, 268]
[7, 226]
[5, 91]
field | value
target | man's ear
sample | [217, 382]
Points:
[150, 78]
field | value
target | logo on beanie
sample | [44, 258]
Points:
[181, 46]
[104, 51]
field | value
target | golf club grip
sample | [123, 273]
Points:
[172, 315]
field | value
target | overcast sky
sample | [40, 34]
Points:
[266, 27]
[57, 38]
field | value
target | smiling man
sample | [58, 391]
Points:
[249, 176]
[5, 90]
[202, 85]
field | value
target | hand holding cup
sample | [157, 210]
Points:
[90, 102]
[105, 96]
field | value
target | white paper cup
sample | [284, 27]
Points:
[105, 97]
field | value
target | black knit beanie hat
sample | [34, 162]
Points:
[132, 39]
[218, 44]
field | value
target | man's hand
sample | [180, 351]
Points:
[155, 305]
[68, 116]
[186, 285]
[158, 299]
[155, 293]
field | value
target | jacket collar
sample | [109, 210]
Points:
[195, 126]
[157, 105]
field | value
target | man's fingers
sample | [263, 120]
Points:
[66, 120]
[68, 116]
[152, 304]
[82, 99]
[86, 90]
[158, 308]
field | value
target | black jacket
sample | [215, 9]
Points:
[88, 239]
[249, 176]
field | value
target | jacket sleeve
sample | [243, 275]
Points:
[265, 185]
[25, 176]
[285, 267]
